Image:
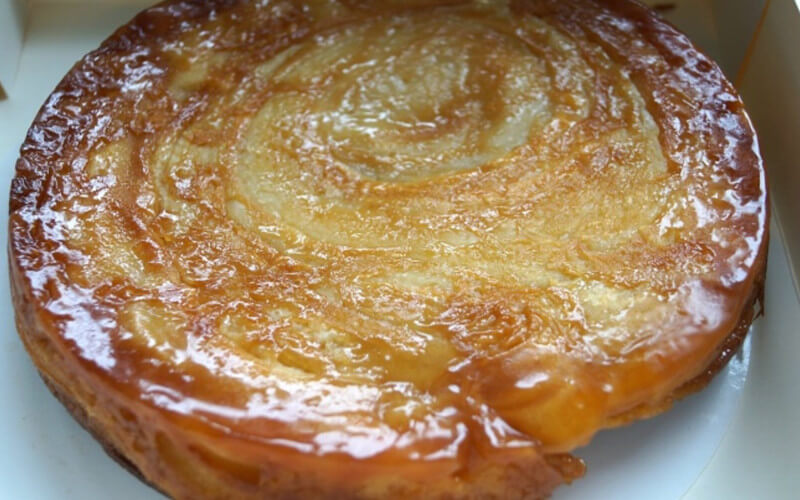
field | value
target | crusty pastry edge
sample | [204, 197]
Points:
[37, 343]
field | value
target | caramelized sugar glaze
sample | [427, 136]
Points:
[382, 249]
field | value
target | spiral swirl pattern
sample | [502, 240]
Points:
[387, 233]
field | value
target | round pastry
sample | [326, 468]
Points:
[383, 249]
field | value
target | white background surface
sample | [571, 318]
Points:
[737, 439]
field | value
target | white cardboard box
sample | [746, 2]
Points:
[740, 438]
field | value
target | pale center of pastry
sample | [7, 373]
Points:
[408, 98]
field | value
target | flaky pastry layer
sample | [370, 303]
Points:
[383, 249]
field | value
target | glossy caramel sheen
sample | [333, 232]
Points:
[366, 239]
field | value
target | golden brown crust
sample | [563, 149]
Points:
[564, 467]
[725, 352]
[375, 249]
[93, 428]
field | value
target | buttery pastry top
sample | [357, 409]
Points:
[356, 240]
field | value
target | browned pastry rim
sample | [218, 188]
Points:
[94, 428]
[730, 347]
